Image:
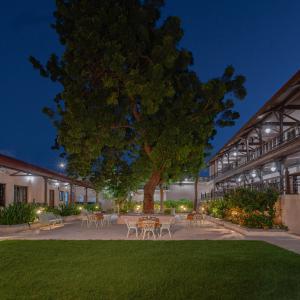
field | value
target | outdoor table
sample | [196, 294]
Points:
[141, 220]
[98, 215]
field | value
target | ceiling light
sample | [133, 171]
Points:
[273, 168]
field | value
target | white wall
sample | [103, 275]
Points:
[290, 212]
[36, 188]
[178, 191]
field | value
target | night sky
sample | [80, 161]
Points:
[260, 38]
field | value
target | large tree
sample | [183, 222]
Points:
[129, 97]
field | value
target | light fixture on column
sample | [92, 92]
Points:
[268, 130]
[239, 179]
[235, 153]
[253, 174]
[273, 168]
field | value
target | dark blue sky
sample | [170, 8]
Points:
[260, 38]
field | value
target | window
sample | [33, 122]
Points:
[20, 194]
[2, 194]
[61, 195]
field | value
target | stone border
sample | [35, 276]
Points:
[7, 229]
[246, 231]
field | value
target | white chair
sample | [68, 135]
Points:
[131, 226]
[165, 226]
[85, 220]
[148, 227]
[107, 220]
[92, 219]
[198, 219]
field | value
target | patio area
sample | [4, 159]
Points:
[180, 230]
[75, 231]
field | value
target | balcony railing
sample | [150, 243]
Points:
[279, 140]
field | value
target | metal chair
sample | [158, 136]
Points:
[131, 226]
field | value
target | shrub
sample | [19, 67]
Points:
[180, 205]
[251, 208]
[17, 213]
[167, 211]
[258, 220]
[91, 206]
[69, 210]
[217, 208]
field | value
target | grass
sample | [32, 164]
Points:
[147, 270]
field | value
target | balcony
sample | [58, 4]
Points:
[278, 144]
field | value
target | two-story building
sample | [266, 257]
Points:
[265, 151]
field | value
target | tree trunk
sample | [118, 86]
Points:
[149, 190]
[161, 193]
[196, 193]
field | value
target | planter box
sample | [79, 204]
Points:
[246, 231]
[72, 218]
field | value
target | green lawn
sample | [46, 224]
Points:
[147, 270]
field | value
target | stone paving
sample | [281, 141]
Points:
[180, 231]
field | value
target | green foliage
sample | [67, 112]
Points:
[91, 206]
[258, 220]
[217, 208]
[252, 200]
[54, 210]
[181, 205]
[167, 211]
[130, 106]
[69, 210]
[17, 213]
[251, 208]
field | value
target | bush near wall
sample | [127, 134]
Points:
[243, 206]
[181, 205]
[17, 213]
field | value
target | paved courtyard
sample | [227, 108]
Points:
[74, 231]
[180, 231]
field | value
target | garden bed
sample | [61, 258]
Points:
[245, 230]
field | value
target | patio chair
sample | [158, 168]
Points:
[198, 219]
[131, 226]
[106, 219]
[93, 219]
[85, 219]
[148, 227]
[165, 226]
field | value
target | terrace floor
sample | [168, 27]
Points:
[180, 231]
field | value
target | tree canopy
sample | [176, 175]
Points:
[131, 109]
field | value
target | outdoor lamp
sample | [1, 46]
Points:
[62, 165]
[267, 130]
[253, 174]
[273, 168]
[234, 153]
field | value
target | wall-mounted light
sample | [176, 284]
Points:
[273, 168]
[253, 174]
[30, 178]
[235, 153]
[239, 179]
[267, 130]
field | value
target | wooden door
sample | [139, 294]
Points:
[51, 198]
[2, 194]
